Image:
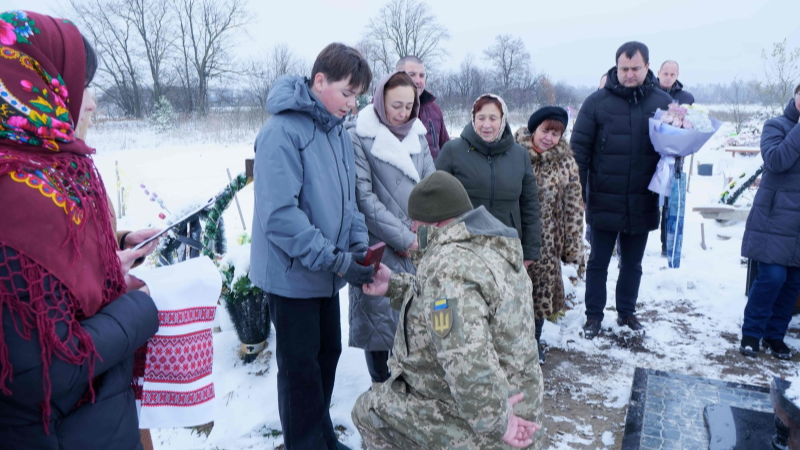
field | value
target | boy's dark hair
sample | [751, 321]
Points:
[631, 48]
[797, 89]
[338, 61]
[91, 62]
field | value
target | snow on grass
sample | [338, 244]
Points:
[608, 439]
[693, 314]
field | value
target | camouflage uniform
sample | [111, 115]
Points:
[450, 386]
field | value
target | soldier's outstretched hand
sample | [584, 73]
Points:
[520, 431]
[380, 282]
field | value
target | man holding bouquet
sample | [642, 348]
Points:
[617, 161]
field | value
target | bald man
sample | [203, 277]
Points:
[668, 82]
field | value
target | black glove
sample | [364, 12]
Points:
[345, 266]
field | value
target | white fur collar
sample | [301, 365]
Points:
[387, 147]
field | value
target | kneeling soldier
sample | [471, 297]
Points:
[465, 367]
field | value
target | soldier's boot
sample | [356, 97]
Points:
[539, 325]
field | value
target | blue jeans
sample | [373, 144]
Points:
[309, 341]
[771, 301]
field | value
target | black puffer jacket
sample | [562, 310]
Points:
[678, 94]
[772, 234]
[615, 156]
[499, 177]
[111, 422]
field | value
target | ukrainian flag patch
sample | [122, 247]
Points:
[440, 304]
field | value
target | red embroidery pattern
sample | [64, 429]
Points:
[179, 399]
[186, 316]
[179, 359]
[139, 358]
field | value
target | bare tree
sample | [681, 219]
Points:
[470, 80]
[206, 29]
[566, 95]
[114, 36]
[281, 60]
[381, 60]
[545, 93]
[402, 28]
[510, 60]
[781, 70]
[737, 96]
[153, 20]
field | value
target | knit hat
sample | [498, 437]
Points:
[548, 112]
[439, 196]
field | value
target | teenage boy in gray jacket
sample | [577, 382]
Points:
[308, 235]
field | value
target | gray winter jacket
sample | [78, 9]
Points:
[305, 202]
[386, 172]
[772, 234]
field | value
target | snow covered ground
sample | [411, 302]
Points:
[693, 314]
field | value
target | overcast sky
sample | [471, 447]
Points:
[571, 40]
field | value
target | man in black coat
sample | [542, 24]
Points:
[669, 83]
[617, 160]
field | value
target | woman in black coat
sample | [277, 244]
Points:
[497, 172]
[772, 237]
[70, 316]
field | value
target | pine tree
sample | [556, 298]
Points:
[163, 117]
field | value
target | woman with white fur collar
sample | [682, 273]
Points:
[392, 156]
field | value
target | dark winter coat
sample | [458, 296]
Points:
[772, 234]
[615, 156]
[431, 116]
[387, 169]
[111, 422]
[305, 195]
[499, 177]
[678, 94]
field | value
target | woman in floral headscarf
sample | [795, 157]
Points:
[70, 323]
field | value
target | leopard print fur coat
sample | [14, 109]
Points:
[562, 222]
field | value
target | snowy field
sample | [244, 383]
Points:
[693, 314]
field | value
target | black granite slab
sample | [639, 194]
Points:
[666, 409]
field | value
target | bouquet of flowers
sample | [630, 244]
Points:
[687, 117]
[680, 131]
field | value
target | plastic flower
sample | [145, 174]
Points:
[8, 35]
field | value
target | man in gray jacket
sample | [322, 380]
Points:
[308, 235]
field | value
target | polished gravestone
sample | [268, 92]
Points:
[788, 416]
[668, 411]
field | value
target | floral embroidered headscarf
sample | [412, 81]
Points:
[55, 229]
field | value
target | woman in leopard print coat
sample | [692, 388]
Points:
[561, 209]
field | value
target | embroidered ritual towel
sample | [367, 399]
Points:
[173, 375]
